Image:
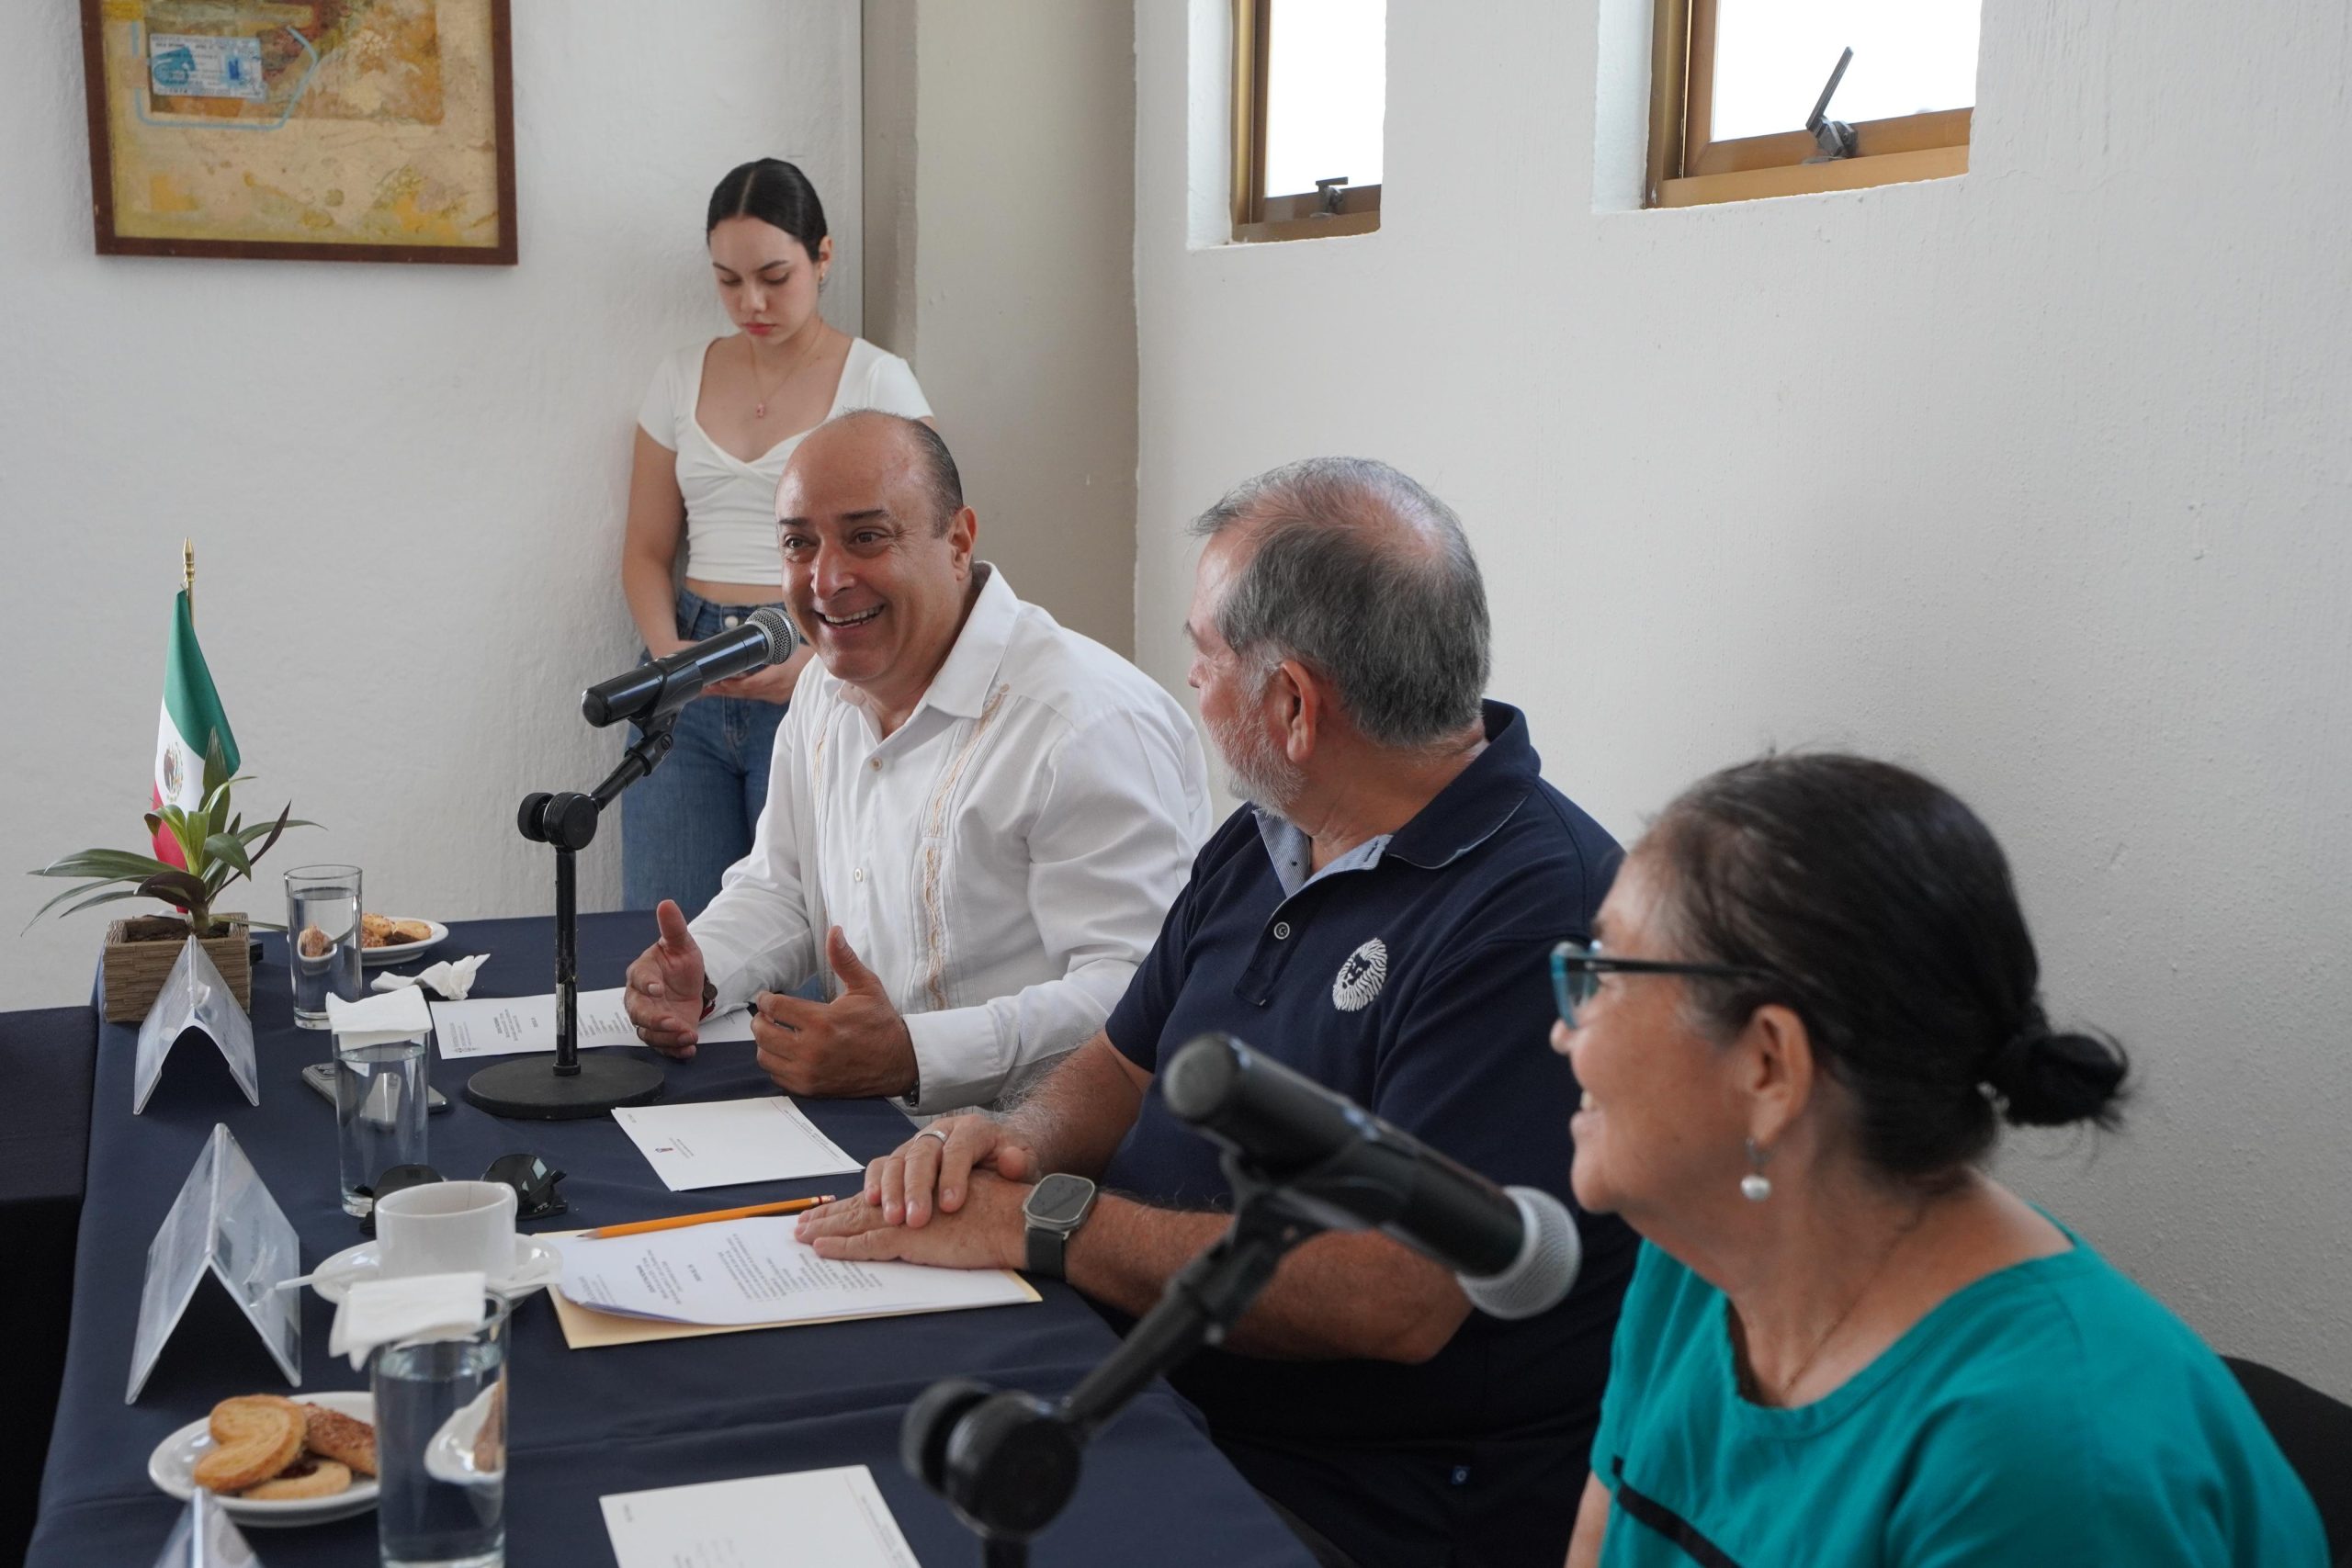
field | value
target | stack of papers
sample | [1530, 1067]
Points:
[726, 1142]
[737, 1273]
[834, 1517]
[506, 1026]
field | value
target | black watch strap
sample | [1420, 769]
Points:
[1049, 1252]
[1046, 1243]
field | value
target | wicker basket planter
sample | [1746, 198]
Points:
[136, 963]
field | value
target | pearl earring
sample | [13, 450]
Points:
[1755, 1186]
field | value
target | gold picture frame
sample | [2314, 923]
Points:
[303, 130]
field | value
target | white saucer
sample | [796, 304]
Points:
[536, 1266]
[452, 1454]
[376, 956]
[171, 1467]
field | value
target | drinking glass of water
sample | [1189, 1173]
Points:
[379, 1092]
[323, 938]
[441, 1448]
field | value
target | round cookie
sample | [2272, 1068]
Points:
[255, 1436]
[306, 1478]
[343, 1438]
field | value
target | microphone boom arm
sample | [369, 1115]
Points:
[1008, 1462]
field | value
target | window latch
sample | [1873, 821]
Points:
[1327, 194]
[1834, 137]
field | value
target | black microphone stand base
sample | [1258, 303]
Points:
[570, 1087]
[527, 1089]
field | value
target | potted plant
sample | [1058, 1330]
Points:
[217, 848]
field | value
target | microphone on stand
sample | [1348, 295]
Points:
[654, 691]
[1515, 1250]
[1301, 1159]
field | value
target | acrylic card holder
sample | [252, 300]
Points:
[223, 1222]
[194, 997]
[206, 1537]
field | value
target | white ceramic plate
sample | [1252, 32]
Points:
[171, 1466]
[536, 1266]
[373, 956]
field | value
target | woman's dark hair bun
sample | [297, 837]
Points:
[1873, 904]
[2047, 1078]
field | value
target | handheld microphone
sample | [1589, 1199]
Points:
[657, 690]
[1515, 1250]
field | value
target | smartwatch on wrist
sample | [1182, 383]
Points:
[1057, 1206]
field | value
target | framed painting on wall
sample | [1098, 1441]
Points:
[303, 130]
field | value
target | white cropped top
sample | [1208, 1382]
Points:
[730, 505]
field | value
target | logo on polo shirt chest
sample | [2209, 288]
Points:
[1360, 977]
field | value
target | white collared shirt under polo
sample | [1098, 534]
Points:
[1003, 862]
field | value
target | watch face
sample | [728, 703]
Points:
[1059, 1199]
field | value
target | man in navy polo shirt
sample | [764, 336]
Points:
[1378, 918]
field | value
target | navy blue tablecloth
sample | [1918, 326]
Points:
[585, 1423]
[46, 1062]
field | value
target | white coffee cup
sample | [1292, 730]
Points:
[446, 1227]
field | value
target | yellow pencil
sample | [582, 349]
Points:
[638, 1227]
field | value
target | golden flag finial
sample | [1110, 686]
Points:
[188, 573]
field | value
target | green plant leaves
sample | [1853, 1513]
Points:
[216, 855]
[73, 893]
[224, 846]
[119, 892]
[119, 864]
[216, 767]
[285, 820]
[177, 888]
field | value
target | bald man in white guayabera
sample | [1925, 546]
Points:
[975, 820]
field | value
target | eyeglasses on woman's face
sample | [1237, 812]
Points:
[1578, 967]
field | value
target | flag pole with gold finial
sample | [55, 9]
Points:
[188, 574]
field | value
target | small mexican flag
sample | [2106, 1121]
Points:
[192, 717]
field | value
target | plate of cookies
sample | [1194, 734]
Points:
[272, 1460]
[384, 940]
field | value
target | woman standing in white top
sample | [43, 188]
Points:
[719, 422]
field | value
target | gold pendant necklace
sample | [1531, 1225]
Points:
[1789, 1384]
[760, 409]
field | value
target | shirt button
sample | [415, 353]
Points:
[1282, 931]
[877, 765]
[858, 875]
[731, 622]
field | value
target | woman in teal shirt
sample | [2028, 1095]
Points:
[1810, 1000]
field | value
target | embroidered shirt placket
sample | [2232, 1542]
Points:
[935, 905]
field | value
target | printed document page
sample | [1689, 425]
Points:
[739, 1271]
[729, 1141]
[506, 1026]
[834, 1517]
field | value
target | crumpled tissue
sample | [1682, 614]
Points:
[452, 977]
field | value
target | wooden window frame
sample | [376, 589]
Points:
[1257, 216]
[1689, 168]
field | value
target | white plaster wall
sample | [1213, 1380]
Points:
[999, 140]
[405, 483]
[2035, 478]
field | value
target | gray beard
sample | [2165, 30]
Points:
[1256, 772]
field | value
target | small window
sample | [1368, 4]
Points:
[1777, 97]
[1310, 95]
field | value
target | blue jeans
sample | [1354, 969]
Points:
[693, 816]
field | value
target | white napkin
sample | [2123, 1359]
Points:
[453, 977]
[379, 1021]
[421, 1306]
